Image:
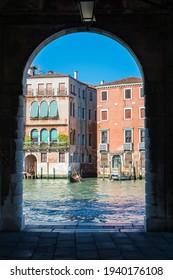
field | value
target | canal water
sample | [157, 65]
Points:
[92, 200]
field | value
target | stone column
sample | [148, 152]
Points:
[158, 140]
[11, 149]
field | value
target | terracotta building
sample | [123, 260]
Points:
[120, 127]
[60, 125]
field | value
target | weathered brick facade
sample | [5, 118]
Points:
[58, 105]
[120, 127]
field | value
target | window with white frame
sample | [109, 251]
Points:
[142, 112]
[40, 89]
[104, 115]
[127, 136]
[29, 89]
[128, 93]
[61, 156]
[104, 136]
[43, 157]
[128, 113]
[141, 92]
[104, 95]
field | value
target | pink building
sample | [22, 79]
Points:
[60, 125]
[120, 127]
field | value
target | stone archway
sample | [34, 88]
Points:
[31, 166]
[149, 35]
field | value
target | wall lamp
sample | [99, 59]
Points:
[87, 11]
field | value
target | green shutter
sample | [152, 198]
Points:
[34, 135]
[53, 109]
[53, 135]
[43, 109]
[34, 110]
[44, 136]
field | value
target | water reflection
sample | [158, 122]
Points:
[92, 200]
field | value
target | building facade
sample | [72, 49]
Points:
[60, 126]
[120, 128]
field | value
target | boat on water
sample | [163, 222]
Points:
[123, 177]
[75, 178]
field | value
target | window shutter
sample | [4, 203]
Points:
[34, 110]
[53, 109]
[104, 115]
[128, 113]
[44, 109]
[53, 135]
[44, 136]
[49, 89]
[40, 89]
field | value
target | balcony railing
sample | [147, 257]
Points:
[104, 147]
[62, 91]
[128, 146]
[141, 146]
[30, 146]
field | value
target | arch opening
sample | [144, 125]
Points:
[69, 153]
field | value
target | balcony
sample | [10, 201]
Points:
[127, 146]
[61, 92]
[141, 146]
[104, 147]
[37, 147]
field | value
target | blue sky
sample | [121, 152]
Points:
[96, 57]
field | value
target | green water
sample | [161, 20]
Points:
[92, 200]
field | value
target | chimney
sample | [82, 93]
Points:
[102, 82]
[75, 75]
[31, 70]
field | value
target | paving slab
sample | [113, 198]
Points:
[84, 241]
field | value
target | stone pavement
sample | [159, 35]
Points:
[79, 241]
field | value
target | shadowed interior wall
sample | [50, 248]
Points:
[147, 30]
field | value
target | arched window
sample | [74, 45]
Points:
[116, 161]
[43, 109]
[34, 135]
[44, 136]
[53, 135]
[34, 110]
[53, 111]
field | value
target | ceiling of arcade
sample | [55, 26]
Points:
[70, 7]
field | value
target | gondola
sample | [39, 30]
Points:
[75, 178]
